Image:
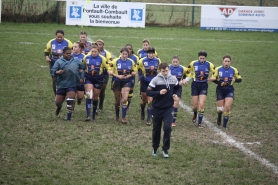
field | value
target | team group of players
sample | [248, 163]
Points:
[84, 67]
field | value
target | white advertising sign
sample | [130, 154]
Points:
[108, 14]
[239, 18]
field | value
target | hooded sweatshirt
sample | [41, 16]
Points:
[71, 75]
[158, 83]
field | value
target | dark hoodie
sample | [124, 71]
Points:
[71, 75]
[158, 83]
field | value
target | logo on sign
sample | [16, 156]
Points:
[136, 15]
[227, 11]
[75, 12]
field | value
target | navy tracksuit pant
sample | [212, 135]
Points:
[159, 116]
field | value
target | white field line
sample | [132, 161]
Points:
[233, 142]
[226, 137]
[28, 43]
[153, 38]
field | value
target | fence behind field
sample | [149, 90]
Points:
[54, 11]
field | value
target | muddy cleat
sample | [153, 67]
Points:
[219, 121]
[142, 115]
[58, 111]
[87, 119]
[173, 124]
[200, 126]
[225, 128]
[124, 121]
[78, 101]
[116, 119]
[148, 122]
[194, 118]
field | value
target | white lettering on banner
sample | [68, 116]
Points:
[239, 18]
[114, 14]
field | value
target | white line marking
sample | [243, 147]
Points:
[233, 142]
[157, 38]
[27, 43]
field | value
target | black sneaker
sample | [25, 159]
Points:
[58, 111]
[154, 152]
[165, 154]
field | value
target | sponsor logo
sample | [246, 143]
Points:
[75, 12]
[136, 15]
[227, 11]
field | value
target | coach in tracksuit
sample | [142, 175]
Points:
[163, 89]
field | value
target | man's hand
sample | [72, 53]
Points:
[175, 97]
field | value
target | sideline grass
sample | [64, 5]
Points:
[38, 148]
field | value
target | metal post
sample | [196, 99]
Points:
[57, 12]
[193, 2]
[0, 9]
[261, 2]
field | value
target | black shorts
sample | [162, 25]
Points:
[117, 85]
[132, 81]
[63, 91]
[224, 92]
[97, 81]
[199, 88]
[105, 79]
[179, 91]
[81, 87]
[144, 85]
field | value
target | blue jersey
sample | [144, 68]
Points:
[94, 65]
[108, 57]
[121, 67]
[178, 71]
[134, 58]
[226, 75]
[200, 71]
[55, 48]
[141, 53]
[88, 47]
[149, 67]
[78, 57]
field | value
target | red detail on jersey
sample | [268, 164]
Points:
[124, 72]
[227, 11]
